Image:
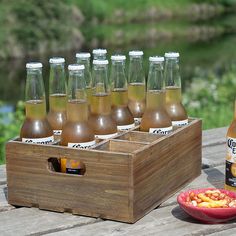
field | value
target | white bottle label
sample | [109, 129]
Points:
[105, 136]
[57, 132]
[231, 149]
[180, 122]
[125, 127]
[83, 145]
[163, 131]
[230, 165]
[137, 120]
[47, 140]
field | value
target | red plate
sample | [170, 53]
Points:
[207, 215]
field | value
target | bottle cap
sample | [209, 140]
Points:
[75, 67]
[118, 57]
[171, 54]
[135, 53]
[34, 65]
[99, 51]
[100, 62]
[156, 59]
[57, 60]
[83, 55]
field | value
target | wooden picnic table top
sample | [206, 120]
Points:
[167, 219]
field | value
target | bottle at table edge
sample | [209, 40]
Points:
[36, 128]
[136, 85]
[230, 165]
[172, 77]
[57, 95]
[100, 118]
[76, 132]
[155, 118]
[119, 94]
[83, 58]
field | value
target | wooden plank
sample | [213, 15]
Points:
[4, 206]
[211, 177]
[31, 221]
[214, 136]
[169, 220]
[3, 177]
[213, 155]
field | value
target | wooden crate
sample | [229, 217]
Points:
[125, 178]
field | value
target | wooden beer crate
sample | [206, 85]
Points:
[125, 177]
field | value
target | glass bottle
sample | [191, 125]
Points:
[174, 104]
[99, 54]
[76, 133]
[119, 94]
[36, 128]
[136, 85]
[100, 118]
[156, 119]
[230, 170]
[57, 95]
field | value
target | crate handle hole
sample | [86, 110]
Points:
[66, 166]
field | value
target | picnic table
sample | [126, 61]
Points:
[167, 219]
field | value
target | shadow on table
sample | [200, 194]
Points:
[215, 177]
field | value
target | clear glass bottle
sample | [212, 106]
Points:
[136, 85]
[119, 94]
[36, 128]
[83, 58]
[230, 169]
[76, 133]
[100, 118]
[174, 104]
[99, 54]
[155, 118]
[57, 95]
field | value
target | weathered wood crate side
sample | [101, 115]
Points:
[102, 192]
[166, 166]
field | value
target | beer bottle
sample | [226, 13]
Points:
[99, 54]
[36, 128]
[136, 85]
[174, 104]
[230, 171]
[100, 118]
[84, 59]
[76, 133]
[119, 94]
[156, 119]
[57, 95]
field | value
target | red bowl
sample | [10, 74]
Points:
[207, 215]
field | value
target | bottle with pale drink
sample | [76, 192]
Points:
[57, 95]
[119, 94]
[136, 85]
[100, 118]
[156, 119]
[174, 104]
[230, 170]
[36, 128]
[83, 58]
[76, 132]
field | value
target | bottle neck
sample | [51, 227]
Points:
[136, 72]
[172, 73]
[87, 70]
[35, 109]
[77, 110]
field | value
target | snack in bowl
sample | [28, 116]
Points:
[209, 205]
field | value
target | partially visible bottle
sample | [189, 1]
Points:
[83, 58]
[230, 170]
[99, 54]
[136, 85]
[156, 119]
[57, 95]
[36, 128]
[76, 132]
[119, 94]
[100, 118]
[174, 104]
